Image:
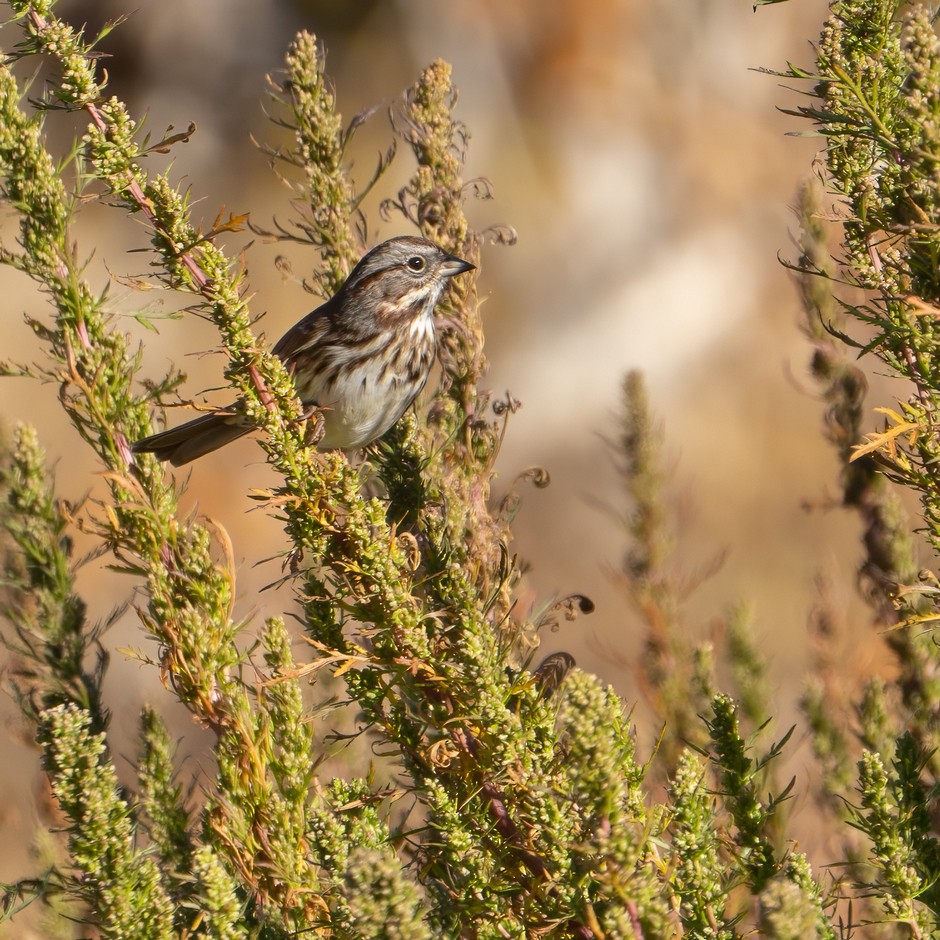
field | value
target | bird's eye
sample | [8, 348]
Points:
[416, 263]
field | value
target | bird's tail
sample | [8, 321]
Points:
[195, 438]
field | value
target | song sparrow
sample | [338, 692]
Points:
[362, 357]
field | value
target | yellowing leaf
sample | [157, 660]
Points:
[887, 438]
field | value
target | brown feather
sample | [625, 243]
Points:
[197, 437]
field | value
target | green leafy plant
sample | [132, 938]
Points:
[511, 801]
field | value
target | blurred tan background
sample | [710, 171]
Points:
[646, 169]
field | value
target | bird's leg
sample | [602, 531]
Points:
[316, 425]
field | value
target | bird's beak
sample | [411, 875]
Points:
[453, 265]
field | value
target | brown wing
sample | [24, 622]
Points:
[305, 333]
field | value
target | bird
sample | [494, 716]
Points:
[359, 359]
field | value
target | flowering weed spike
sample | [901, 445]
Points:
[119, 881]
